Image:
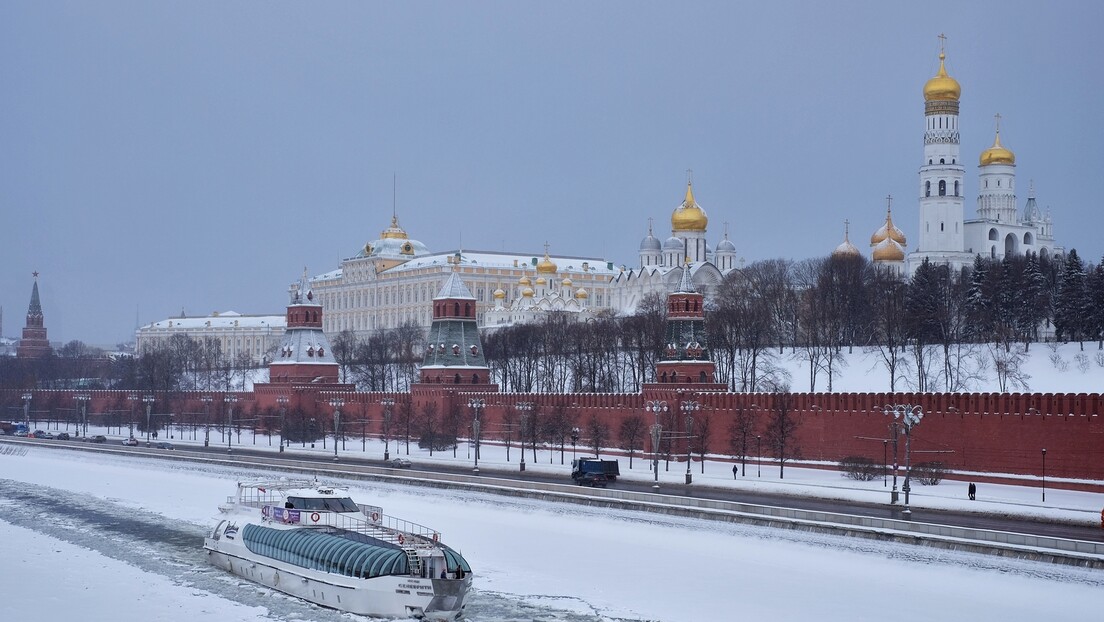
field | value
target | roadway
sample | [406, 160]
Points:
[1011, 524]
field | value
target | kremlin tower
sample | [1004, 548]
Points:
[686, 357]
[454, 354]
[34, 344]
[304, 355]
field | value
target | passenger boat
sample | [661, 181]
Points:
[312, 541]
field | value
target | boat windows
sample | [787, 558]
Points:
[324, 504]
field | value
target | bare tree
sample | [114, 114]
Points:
[740, 432]
[781, 431]
[598, 432]
[704, 429]
[631, 435]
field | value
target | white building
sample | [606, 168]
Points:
[256, 335]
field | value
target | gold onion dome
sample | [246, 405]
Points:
[499, 294]
[546, 265]
[888, 250]
[541, 280]
[689, 216]
[846, 249]
[888, 231]
[997, 154]
[524, 280]
[581, 294]
[527, 292]
[566, 282]
[394, 232]
[942, 87]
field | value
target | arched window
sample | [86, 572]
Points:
[942, 160]
[456, 309]
[929, 160]
[702, 377]
[927, 188]
[942, 187]
[1028, 240]
[993, 234]
[456, 379]
[993, 252]
[956, 188]
[475, 378]
[663, 378]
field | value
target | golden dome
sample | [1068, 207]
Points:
[524, 280]
[581, 294]
[888, 231]
[846, 249]
[394, 232]
[546, 265]
[566, 282]
[689, 216]
[527, 292]
[942, 87]
[541, 280]
[997, 154]
[499, 294]
[889, 250]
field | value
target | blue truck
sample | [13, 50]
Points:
[581, 466]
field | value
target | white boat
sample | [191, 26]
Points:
[312, 541]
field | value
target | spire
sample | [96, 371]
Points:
[35, 308]
[686, 285]
[454, 289]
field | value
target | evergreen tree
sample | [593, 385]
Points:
[1033, 305]
[978, 315]
[1070, 305]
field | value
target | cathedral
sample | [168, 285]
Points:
[945, 235]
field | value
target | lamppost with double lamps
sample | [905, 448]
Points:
[282, 401]
[909, 415]
[656, 407]
[476, 405]
[206, 399]
[524, 408]
[689, 407]
[230, 400]
[337, 404]
[758, 456]
[1044, 474]
[387, 404]
[885, 458]
[27, 411]
[574, 439]
[82, 401]
[148, 400]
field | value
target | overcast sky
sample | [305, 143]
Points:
[160, 155]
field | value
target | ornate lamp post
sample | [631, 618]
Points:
[337, 404]
[27, 411]
[476, 405]
[656, 407]
[890, 410]
[387, 404]
[82, 401]
[909, 416]
[689, 407]
[148, 401]
[1044, 474]
[282, 401]
[758, 456]
[524, 408]
[230, 400]
[206, 399]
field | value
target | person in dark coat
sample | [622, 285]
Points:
[735, 469]
[972, 490]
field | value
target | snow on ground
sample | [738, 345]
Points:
[542, 561]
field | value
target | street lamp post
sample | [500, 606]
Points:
[27, 411]
[524, 408]
[909, 416]
[476, 405]
[82, 401]
[758, 456]
[885, 457]
[574, 439]
[148, 400]
[230, 400]
[689, 407]
[656, 407]
[891, 410]
[282, 400]
[206, 399]
[337, 404]
[1044, 474]
[387, 403]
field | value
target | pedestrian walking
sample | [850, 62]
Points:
[735, 469]
[972, 490]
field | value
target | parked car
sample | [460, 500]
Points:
[593, 479]
[99, 438]
[131, 442]
[62, 436]
[401, 463]
[40, 434]
[164, 445]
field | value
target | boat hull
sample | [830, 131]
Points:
[384, 596]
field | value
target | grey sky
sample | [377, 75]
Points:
[160, 155]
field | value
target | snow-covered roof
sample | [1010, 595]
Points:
[454, 288]
[226, 319]
[491, 259]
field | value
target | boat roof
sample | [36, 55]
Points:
[295, 487]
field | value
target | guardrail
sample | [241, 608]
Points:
[1042, 548]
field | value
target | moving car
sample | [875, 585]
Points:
[164, 445]
[41, 434]
[62, 436]
[99, 438]
[131, 442]
[401, 463]
[593, 479]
